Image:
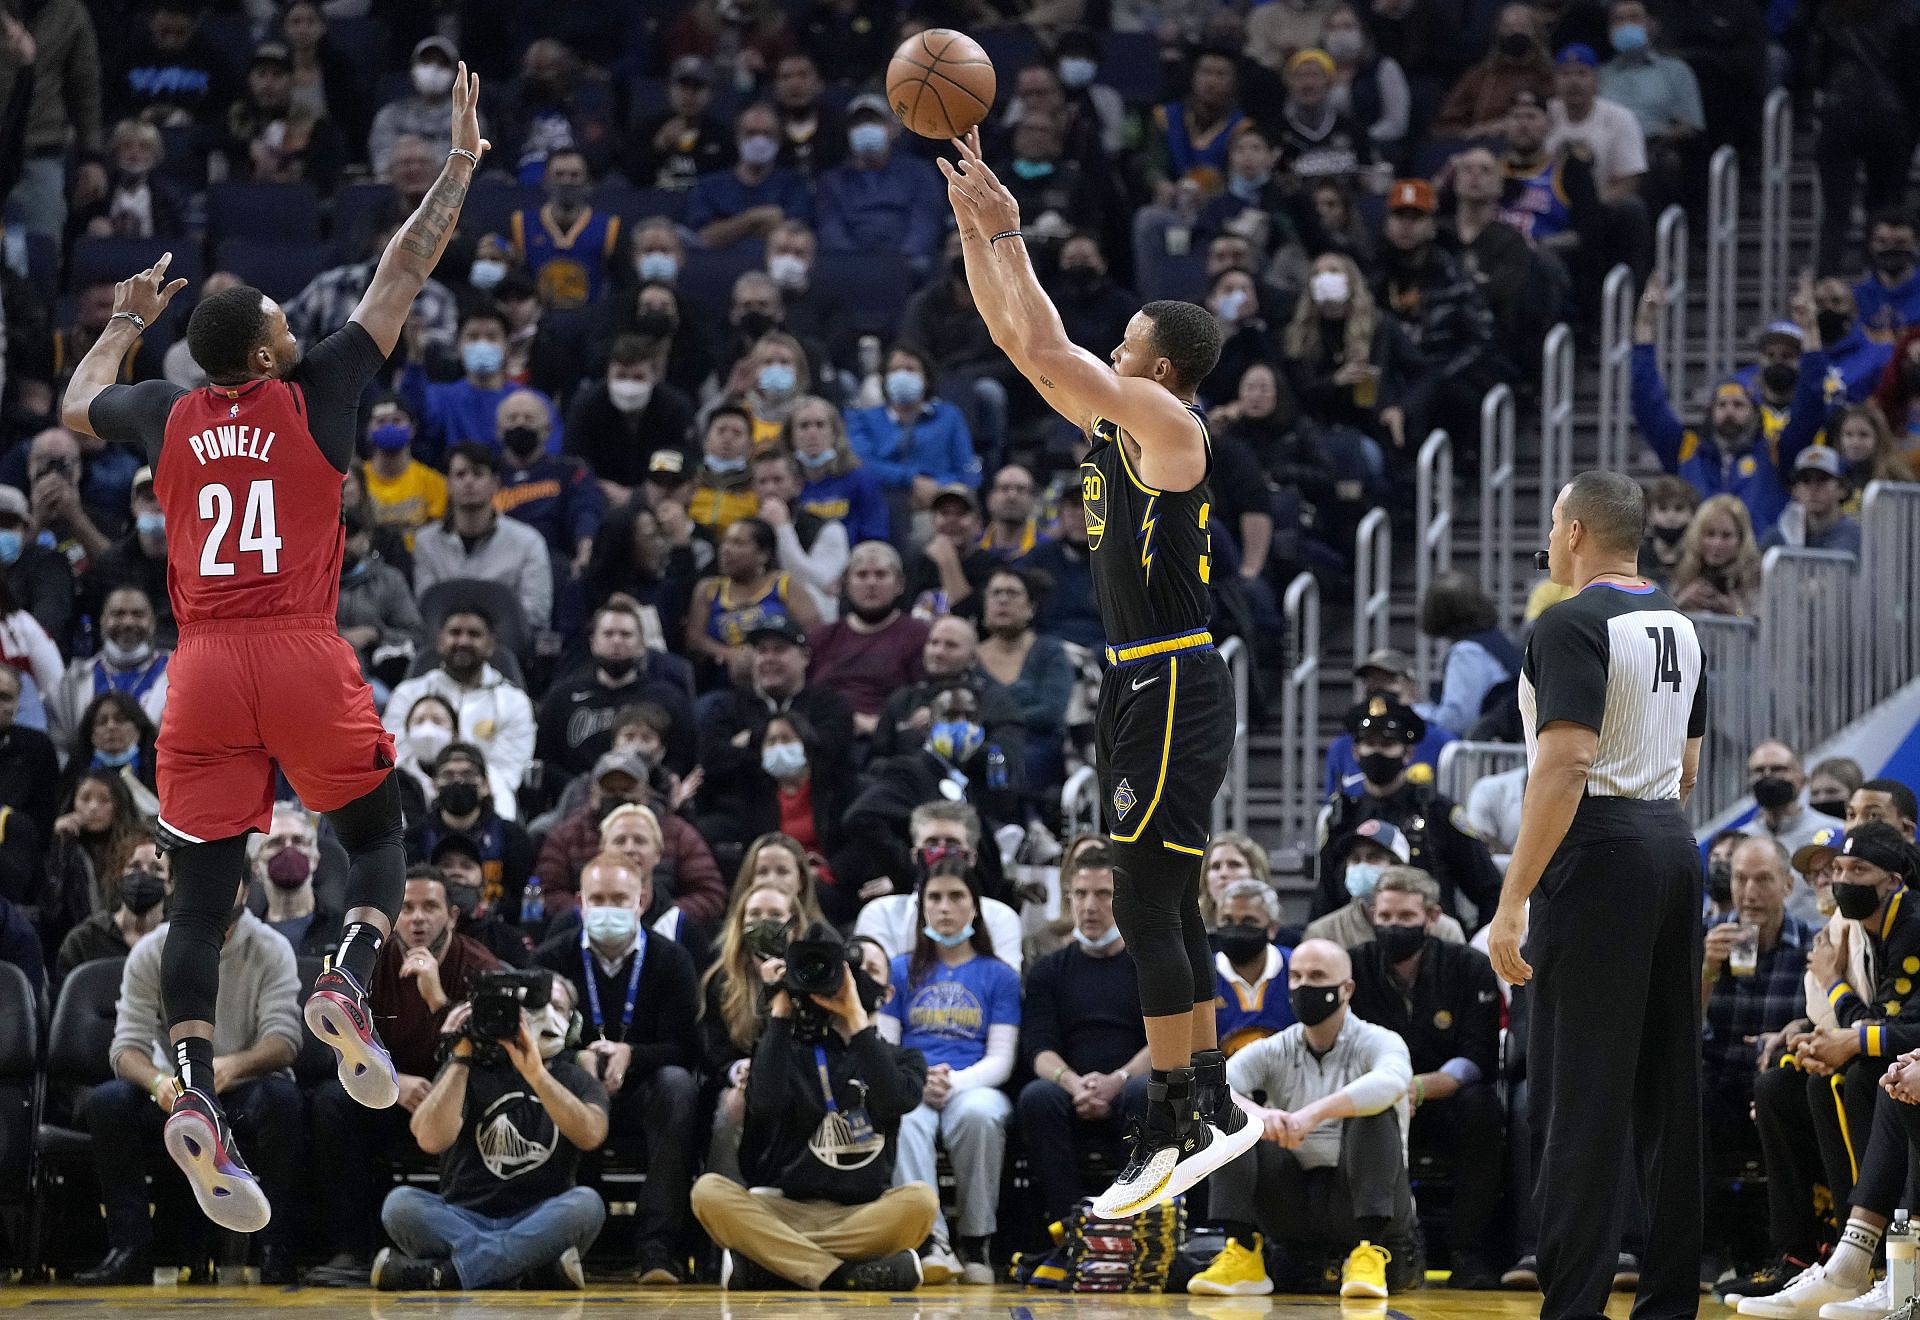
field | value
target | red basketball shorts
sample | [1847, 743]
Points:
[243, 695]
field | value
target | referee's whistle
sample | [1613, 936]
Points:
[1540, 560]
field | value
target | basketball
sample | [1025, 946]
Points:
[940, 83]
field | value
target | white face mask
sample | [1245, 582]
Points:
[1230, 304]
[428, 740]
[432, 79]
[630, 396]
[610, 927]
[551, 1027]
[787, 270]
[1113, 933]
[1329, 286]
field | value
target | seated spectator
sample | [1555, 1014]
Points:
[616, 424]
[283, 863]
[376, 613]
[914, 444]
[813, 135]
[463, 803]
[970, 1055]
[680, 868]
[1315, 140]
[1365, 856]
[1249, 970]
[124, 198]
[38, 576]
[423, 113]
[1329, 1178]
[325, 81]
[723, 490]
[1779, 788]
[1231, 856]
[957, 359]
[29, 766]
[114, 735]
[145, 886]
[255, 1042]
[748, 594]
[1855, 358]
[1614, 145]
[1246, 339]
[1660, 91]
[811, 549]
[578, 713]
[1385, 672]
[834, 483]
[403, 493]
[495, 1223]
[879, 199]
[137, 559]
[952, 567]
[267, 138]
[645, 1057]
[567, 246]
[1093, 307]
[1480, 659]
[128, 662]
[678, 903]
[770, 668]
[813, 311]
[1057, 192]
[555, 495]
[950, 655]
[172, 73]
[874, 648]
[1444, 1001]
[1830, 783]
[1188, 139]
[1866, 447]
[1369, 88]
[756, 194]
[461, 861]
[426, 728]
[1553, 197]
[670, 148]
[831, 1222]
[1087, 1052]
[464, 410]
[475, 541]
[748, 962]
[495, 715]
[1476, 105]
[1034, 670]
[1521, 286]
[936, 829]
[1719, 569]
[328, 301]
[658, 255]
[1889, 295]
[558, 103]
[79, 496]
[26, 649]
[1814, 519]
[1013, 528]
[1671, 504]
[770, 378]
[1348, 366]
[1070, 611]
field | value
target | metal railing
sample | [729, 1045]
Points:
[1807, 645]
[1230, 803]
[1499, 472]
[1889, 566]
[1464, 764]
[1300, 712]
[1723, 249]
[1670, 261]
[1432, 539]
[1729, 648]
[1372, 584]
[1556, 421]
[1616, 366]
[1776, 200]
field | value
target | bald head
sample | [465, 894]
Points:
[1611, 507]
[1319, 962]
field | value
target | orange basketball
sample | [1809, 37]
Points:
[940, 83]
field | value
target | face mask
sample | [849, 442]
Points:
[1080, 279]
[654, 325]
[352, 567]
[482, 357]
[428, 740]
[1833, 327]
[1669, 535]
[1077, 71]
[141, 891]
[432, 79]
[956, 740]
[1230, 304]
[618, 667]
[1720, 881]
[759, 150]
[1772, 792]
[1344, 45]
[151, 524]
[655, 266]
[952, 941]
[1033, 169]
[1329, 287]
[1241, 944]
[765, 938]
[1857, 902]
[1314, 1004]
[1247, 190]
[928, 858]
[1112, 934]
[114, 760]
[815, 461]
[783, 760]
[1778, 377]
[1381, 769]
[289, 868]
[1400, 943]
[1515, 45]
[485, 273]
[11, 546]
[787, 270]
[458, 799]
[567, 196]
[523, 441]
[551, 1030]
[467, 899]
[391, 438]
[1629, 37]
[752, 325]
[1910, 376]
[725, 466]
[630, 396]
[1362, 877]
[867, 139]
[1834, 807]
[126, 657]
[610, 927]
[777, 378]
[905, 387]
[1893, 262]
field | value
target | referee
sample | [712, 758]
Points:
[1610, 698]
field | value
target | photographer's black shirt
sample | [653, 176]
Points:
[509, 1156]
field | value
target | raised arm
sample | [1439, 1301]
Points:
[416, 247]
[137, 304]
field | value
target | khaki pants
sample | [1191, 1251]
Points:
[805, 1241]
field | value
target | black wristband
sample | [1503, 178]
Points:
[1005, 233]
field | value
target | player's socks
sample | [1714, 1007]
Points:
[359, 949]
[193, 1063]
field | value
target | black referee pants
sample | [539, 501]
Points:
[1614, 1053]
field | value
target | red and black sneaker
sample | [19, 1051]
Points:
[198, 1139]
[337, 1014]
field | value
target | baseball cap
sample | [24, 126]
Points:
[1382, 832]
[1578, 52]
[1411, 195]
[143, 477]
[869, 103]
[14, 501]
[620, 763]
[1387, 661]
[1786, 330]
[669, 464]
[956, 491]
[1382, 716]
[436, 43]
[692, 69]
[1525, 96]
[1816, 852]
[273, 52]
[777, 627]
[1310, 55]
[455, 843]
[1879, 844]
[1818, 458]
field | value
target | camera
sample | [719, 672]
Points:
[499, 996]
[817, 967]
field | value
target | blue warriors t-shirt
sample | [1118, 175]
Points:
[947, 1015]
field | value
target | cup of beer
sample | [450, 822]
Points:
[1744, 958]
[1366, 390]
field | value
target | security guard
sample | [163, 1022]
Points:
[1440, 842]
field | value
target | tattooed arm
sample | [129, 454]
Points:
[417, 245]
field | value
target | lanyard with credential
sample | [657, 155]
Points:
[592, 979]
[826, 1079]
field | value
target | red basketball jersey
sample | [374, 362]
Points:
[252, 506]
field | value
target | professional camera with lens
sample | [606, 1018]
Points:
[817, 967]
[499, 996]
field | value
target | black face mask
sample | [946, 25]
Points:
[1314, 1004]
[1893, 262]
[1857, 902]
[1833, 327]
[1080, 279]
[754, 324]
[620, 668]
[141, 891]
[1669, 535]
[653, 325]
[1778, 377]
[1381, 769]
[1720, 881]
[1834, 807]
[524, 441]
[1241, 944]
[1772, 792]
[458, 799]
[467, 899]
[1400, 943]
[1515, 45]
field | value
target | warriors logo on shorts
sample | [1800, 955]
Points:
[1124, 799]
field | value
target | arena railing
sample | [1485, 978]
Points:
[1889, 567]
[1299, 716]
[1372, 584]
[1723, 250]
[1230, 803]
[1670, 260]
[1736, 707]
[1464, 764]
[1432, 539]
[1556, 422]
[1499, 473]
[1807, 663]
[1616, 367]
[1776, 200]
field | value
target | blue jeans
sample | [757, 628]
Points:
[485, 1250]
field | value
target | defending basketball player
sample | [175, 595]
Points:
[1165, 724]
[248, 471]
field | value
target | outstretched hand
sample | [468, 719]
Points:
[147, 294]
[976, 192]
[466, 112]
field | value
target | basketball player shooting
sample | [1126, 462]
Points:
[1166, 717]
[248, 470]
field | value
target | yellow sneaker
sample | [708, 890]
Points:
[1239, 1271]
[1365, 1273]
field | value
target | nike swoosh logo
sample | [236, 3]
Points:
[582, 696]
[1140, 683]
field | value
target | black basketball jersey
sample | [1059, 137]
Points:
[1151, 549]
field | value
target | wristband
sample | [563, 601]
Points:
[153, 1087]
[1419, 1089]
[462, 151]
[1058, 1073]
[1005, 233]
[139, 321]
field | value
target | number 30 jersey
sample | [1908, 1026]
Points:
[252, 506]
[1151, 549]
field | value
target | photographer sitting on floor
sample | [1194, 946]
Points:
[508, 1115]
[824, 1099]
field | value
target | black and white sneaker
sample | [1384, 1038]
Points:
[1171, 1150]
[395, 1272]
[741, 1273]
[898, 1272]
[200, 1142]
